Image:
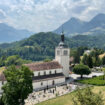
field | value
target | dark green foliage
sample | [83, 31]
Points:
[90, 61]
[12, 60]
[93, 58]
[84, 59]
[42, 45]
[1, 101]
[103, 60]
[87, 97]
[98, 81]
[18, 86]
[87, 60]
[81, 70]
[47, 60]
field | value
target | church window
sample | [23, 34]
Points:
[44, 73]
[41, 83]
[55, 71]
[50, 72]
[65, 52]
[53, 82]
[58, 52]
[2, 82]
[39, 74]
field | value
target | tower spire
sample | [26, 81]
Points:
[62, 35]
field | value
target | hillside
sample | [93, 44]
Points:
[10, 34]
[75, 26]
[42, 45]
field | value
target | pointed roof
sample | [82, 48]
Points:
[62, 42]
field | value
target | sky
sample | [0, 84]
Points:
[47, 15]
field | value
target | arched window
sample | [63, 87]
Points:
[2, 82]
[39, 74]
[44, 73]
[41, 83]
[53, 82]
[50, 72]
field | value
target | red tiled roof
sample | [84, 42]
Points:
[43, 66]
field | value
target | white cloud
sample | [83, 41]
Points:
[47, 15]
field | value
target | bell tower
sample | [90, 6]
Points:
[62, 53]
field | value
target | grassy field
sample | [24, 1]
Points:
[67, 99]
[99, 81]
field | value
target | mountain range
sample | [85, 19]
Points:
[72, 27]
[76, 26]
[10, 34]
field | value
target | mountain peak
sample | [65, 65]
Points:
[99, 17]
[9, 33]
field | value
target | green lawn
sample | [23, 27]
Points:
[67, 99]
[99, 81]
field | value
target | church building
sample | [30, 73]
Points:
[49, 74]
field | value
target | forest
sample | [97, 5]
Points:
[42, 45]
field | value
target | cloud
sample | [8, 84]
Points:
[2, 14]
[47, 15]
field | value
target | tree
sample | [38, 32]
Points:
[18, 86]
[84, 59]
[87, 60]
[81, 70]
[76, 57]
[103, 60]
[87, 97]
[90, 61]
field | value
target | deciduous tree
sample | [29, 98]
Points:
[81, 70]
[18, 86]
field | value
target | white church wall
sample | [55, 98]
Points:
[44, 84]
[52, 71]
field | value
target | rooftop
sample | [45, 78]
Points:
[43, 66]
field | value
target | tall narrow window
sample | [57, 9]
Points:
[2, 82]
[58, 52]
[39, 74]
[53, 82]
[41, 83]
[44, 73]
[50, 72]
[65, 52]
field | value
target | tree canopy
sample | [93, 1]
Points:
[18, 86]
[81, 69]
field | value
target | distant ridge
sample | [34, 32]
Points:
[10, 34]
[76, 26]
